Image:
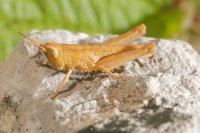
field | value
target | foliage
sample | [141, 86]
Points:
[90, 16]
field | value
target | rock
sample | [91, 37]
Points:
[160, 94]
[150, 119]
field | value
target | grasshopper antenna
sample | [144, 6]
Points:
[34, 41]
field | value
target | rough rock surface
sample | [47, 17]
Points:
[161, 94]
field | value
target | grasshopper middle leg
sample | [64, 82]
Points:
[113, 75]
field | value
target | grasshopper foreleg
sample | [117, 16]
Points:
[62, 83]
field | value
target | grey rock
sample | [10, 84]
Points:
[161, 94]
[151, 119]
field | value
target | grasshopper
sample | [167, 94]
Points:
[104, 57]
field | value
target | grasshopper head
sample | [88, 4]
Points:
[54, 55]
[52, 51]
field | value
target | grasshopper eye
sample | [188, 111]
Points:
[54, 51]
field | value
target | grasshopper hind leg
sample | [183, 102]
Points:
[118, 59]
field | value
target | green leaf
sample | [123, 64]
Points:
[164, 24]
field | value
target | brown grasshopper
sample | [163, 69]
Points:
[104, 57]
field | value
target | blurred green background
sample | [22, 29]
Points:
[163, 18]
